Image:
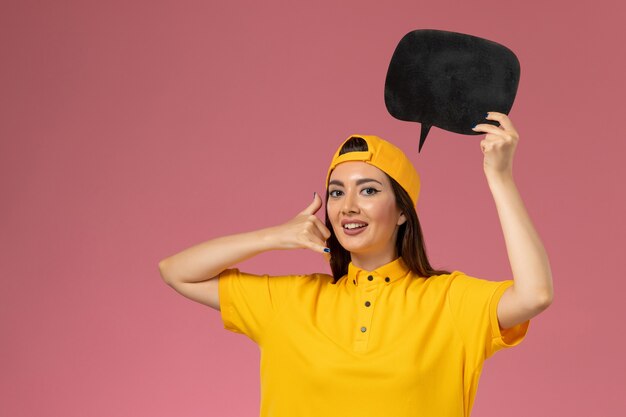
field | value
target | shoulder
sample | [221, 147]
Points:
[314, 278]
[455, 277]
[456, 281]
[236, 272]
[444, 279]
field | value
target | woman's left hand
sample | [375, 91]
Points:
[499, 144]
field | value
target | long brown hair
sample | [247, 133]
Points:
[409, 243]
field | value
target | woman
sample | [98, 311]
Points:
[385, 335]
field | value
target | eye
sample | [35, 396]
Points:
[373, 189]
[333, 191]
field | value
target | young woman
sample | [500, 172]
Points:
[385, 334]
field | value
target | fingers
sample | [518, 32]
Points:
[320, 233]
[314, 242]
[484, 127]
[486, 145]
[315, 232]
[490, 142]
[498, 133]
[327, 257]
[324, 232]
[314, 206]
[503, 119]
[312, 232]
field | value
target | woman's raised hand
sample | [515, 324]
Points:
[303, 231]
[499, 145]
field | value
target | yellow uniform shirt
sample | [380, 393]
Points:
[379, 343]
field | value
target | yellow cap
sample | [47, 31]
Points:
[385, 156]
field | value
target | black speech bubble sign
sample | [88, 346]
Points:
[450, 80]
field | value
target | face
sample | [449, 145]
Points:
[361, 192]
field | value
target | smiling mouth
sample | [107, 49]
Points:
[354, 231]
[353, 226]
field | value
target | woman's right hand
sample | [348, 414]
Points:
[303, 231]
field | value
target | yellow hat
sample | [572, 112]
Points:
[385, 156]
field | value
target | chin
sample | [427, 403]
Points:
[352, 248]
[349, 248]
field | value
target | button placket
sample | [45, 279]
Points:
[368, 293]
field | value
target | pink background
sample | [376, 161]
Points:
[132, 130]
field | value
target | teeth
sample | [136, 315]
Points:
[353, 225]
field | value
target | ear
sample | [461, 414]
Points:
[402, 219]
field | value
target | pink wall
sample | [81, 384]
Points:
[132, 130]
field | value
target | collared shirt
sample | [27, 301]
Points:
[375, 343]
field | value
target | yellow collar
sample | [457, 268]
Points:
[384, 274]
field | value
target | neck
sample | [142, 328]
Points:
[369, 262]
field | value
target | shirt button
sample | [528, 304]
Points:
[367, 304]
[387, 279]
[370, 277]
[363, 329]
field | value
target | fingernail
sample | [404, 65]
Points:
[313, 193]
[486, 115]
[473, 126]
[326, 250]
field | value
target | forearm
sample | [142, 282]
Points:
[529, 261]
[206, 260]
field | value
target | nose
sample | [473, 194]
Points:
[350, 203]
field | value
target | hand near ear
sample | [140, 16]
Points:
[305, 230]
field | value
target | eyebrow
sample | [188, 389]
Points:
[358, 182]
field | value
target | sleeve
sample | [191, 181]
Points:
[249, 302]
[474, 306]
